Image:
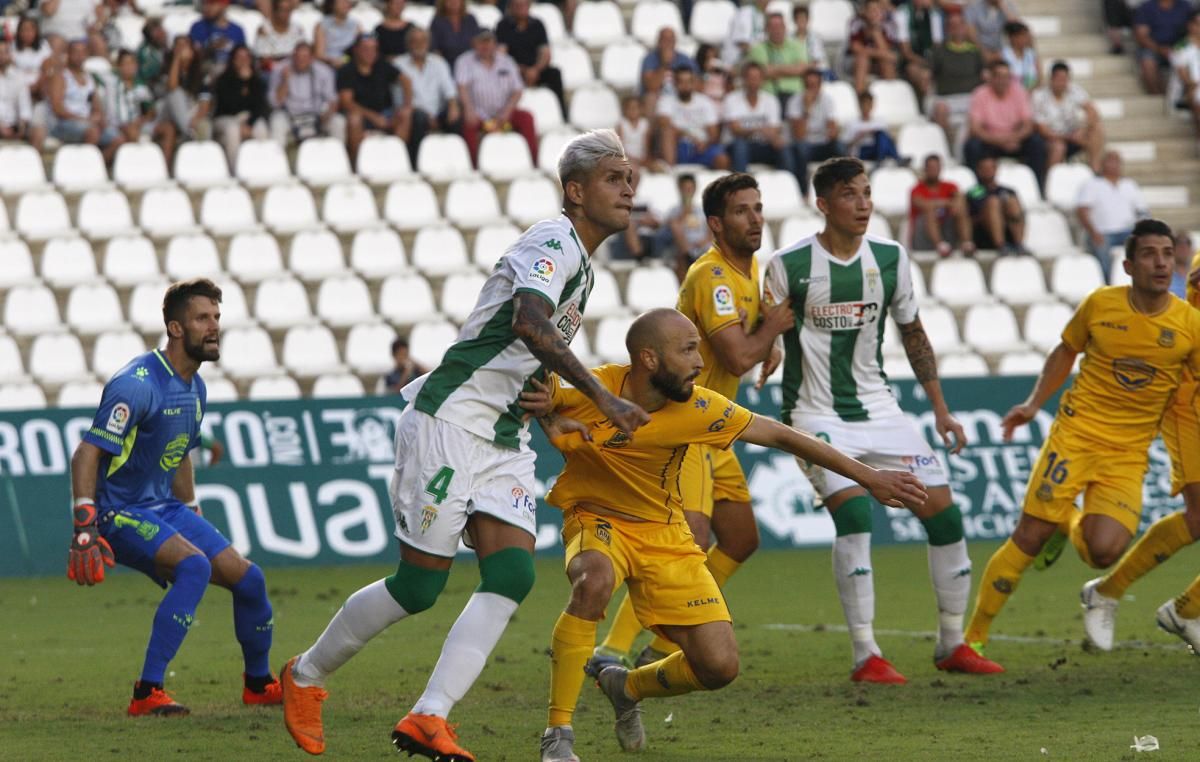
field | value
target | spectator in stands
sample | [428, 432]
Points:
[336, 34]
[1184, 92]
[16, 106]
[1157, 26]
[634, 130]
[713, 73]
[985, 22]
[434, 95]
[920, 26]
[278, 36]
[404, 369]
[814, 128]
[814, 48]
[956, 69]
[1001, 123]
[152, 57]
[365, 95]
[1108, 207]
[189, 98]
[1021, 55]
[658, 65]
[241, 110]
[392, 32]
[32, 56]
[103, 35]
[489, 87]
[1118, 17]
[784, 60]
[131, 110]
[639, 241]
[452, 30]
[1067, 119]
[215, 35]
[997, 218]
[754, 120]
[688, 226]
[304, 99]
[937, 213]
[64, 20]
[748, 28]
[76, 113]
[868, 138]
[873, 44]
[689, 125]
[1184, 253]
[524, 38]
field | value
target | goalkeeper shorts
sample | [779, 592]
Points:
[136, 534]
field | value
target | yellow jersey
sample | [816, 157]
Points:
[712, 292]
[640, 476]
[1193, 297]
[1132, 364]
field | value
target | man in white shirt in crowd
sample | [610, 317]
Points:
[749, 27]
[489, 88]
[754, 122]
[16, 106]
[1065, 115]
[1183, 91]
[278, 36]
[689, 125]
[810, 113]
[435, 99]
[1109, 206]
[304, 98]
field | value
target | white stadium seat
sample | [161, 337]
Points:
[942, 328]
[334, 385]
[487, 15]
[660, 192]
[23, 169]
[261, 163]
[281, 303]
[145, 306]
[367, 15]
[22, 396]
[1044, 323]
[1074, 277]
[11, 368]
[897, 367]
[439, 250]
[165, 212]
[1021, 364]
[830, 19]
[80, 393]
[649, 16]
[920, 291]
[879, 226]
[274, 388]
[369, 347]
[307, 16]
[1047, 233]
[1018, 280]
[383, 159]
[598, 24]
[429, 341]
[68, 261]
[247, 352]
[78, 168]
[459, 293]
[18, 262]
[891, 188]
[323, 161]
[471, 202]
[1022, 180]
[958, 282]
[594, 107]
[349, 206]
[651, 286]
[550, 148]
[344, 301]
[220, 390]
[895, 102]
[41, 215]
[610, 339]
[56, 358]
[289, 208]
[104, 213]
[1063, 182]
[605, 299]
[711, 20]
[227, 210]
[572, 60]
[377, 253]
[4, 225]
[491, 241]
[845, 100]
[406, 299]
[254, 256]
[504, 156]
[547, 115]
[411, 205]
[781, 195]
[621, 65]
[962, 365]
[201, 164]
[961, 175]
[798, 227]
[551, 18]
[919, 140]
[310, 351]
[234, 312]
[992, 329]
[192, 256]
[178, 21]
[113, 350]
[139, 166]
[442, 158]
[316, 254]
[531, 199]
[94, 308]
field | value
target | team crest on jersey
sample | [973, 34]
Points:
[617, 441]
[175, 452]
[1045, 492]
[1132, 373]
[1166, 338]
[872, 278]
[428, 516]
[118, 419]
[542, 271]
[522, 501]
[843, 316]
[723, 300]
[717, 425]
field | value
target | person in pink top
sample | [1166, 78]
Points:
[1001, 123]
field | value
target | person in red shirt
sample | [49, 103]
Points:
[938, 213]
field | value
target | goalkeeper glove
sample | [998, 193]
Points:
[89, 552]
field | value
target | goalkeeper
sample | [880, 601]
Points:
[135, 501]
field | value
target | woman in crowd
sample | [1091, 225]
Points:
[392, 30]
[188, 98]
[241, 109]
[452, 29]
[336, 33]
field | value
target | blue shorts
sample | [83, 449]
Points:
[686, 152]
[136, 534]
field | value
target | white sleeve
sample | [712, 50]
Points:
[743, 25]
[901, 18]
[712, 114]
[775, 285]
[816, 51]
[774, 117]
[542, 262]
[731, 107]
[1085, 195]
[904, 301]
[794, 108]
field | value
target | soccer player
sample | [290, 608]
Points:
[623, 521]
[135, 501]
[842, 283]
[463, 465]
[1180, 431]
[1137, 341]
[719, 292]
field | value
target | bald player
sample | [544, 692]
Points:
[623, 522]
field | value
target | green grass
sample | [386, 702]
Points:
[71, 654]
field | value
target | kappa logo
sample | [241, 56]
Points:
[542, 270]
[861, 571]
[403, 522]
[1133, 374]
[118, 419]
[553, 244]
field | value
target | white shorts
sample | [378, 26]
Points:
[892, 443]
[445, 473]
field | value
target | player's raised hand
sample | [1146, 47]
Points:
[624, 414]
[1017, 417]
[539, 402]
[89, 552]
[951, 432]
[565, 433]
[768, 367]
[778, 319]
[899, 489]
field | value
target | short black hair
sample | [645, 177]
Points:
[840, 169]
[1014, 27]
[399, 343]
[685, 177]
[932, 157]
[799, 10]
[1144, 228]
[1059, 65]
[125, 53]
[681, 68]
[178, 295]
[753, 65]
[719, 191]
[864, 95]
[999, 63]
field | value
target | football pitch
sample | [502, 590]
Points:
[70, 655]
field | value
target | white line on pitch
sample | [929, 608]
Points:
[923, 634]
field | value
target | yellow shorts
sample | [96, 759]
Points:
[661, 563]
[709, 475]
[1110, 478]
[1180, 430]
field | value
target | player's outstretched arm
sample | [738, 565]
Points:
[531, 323]
[89, 552]
[540, 404]
[924, 364]
[899, 489]
[740, 347]
[1054, 374]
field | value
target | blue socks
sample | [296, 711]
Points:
[253, 621]
[174, 616]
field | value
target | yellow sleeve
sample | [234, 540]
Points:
[1193, 296]
[714, 301]
[718, 422]
[1193, 361]
[1075, 335]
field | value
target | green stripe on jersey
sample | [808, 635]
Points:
[464, 358]
[887, 258]
[845, 285]
[798, 266]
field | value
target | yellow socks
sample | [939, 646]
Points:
[1188, 604]
[671, 676]
[625, 629]
[1161, 541]
[721, 566]
[571, 646]
[1000, 579]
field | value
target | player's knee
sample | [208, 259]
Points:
[717, 669]
[252, 585]
[507, 572]
[592, 590]
[194, 567]
[416, 588]
[1104, 555]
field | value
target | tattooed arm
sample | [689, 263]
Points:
[924, 365]
[531, 323]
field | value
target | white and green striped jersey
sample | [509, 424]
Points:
[833, 361]
[482, 374]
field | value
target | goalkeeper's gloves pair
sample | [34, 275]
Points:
[89, 552]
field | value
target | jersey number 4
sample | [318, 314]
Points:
[439, 485]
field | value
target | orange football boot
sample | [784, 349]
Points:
[302, 711]
[157, 704]
[430, 736]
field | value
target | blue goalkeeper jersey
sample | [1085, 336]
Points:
[148, 420]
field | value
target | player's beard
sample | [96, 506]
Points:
[671, 386]
[197, 351]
